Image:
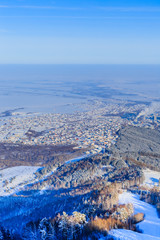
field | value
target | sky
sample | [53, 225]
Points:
[79, 32]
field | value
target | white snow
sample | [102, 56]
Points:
[15, 178]
[122, 234]
[76, 159]
[150, 226]
[151, 178]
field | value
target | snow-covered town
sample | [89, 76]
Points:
[94, 128]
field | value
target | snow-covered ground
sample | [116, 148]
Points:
[151, 178]
[15, 178]
[122, 234]
[150, 226]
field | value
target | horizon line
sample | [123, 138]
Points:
[41, 7]
[81, 17]
[107, 8]
[79, 63]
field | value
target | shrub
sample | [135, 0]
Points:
[139, 217]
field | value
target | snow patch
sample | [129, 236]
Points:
[15, 178]
[122, 234]
[151, 178]
[77, 159]
[150, 227]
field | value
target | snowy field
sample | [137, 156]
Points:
[122, 234]
[15, 178]
[150, 227]
[151, 178]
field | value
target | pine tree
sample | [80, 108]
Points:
[6, 234]
[1, 235]
[46, 230]
[30, 232]
[63, 226]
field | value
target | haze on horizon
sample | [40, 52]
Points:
[79, 32]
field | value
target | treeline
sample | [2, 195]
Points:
[84, 175]
[152, 196]
[74, 227]
[20, 154]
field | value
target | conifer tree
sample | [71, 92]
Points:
[1, 235]
[46, 229]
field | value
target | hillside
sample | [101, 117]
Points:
[138, 144]
[59, 192]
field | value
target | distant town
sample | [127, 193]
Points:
[93, 129]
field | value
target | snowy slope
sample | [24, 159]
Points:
[122, 234]
[151, 178]
[150, 226]
[15, 178]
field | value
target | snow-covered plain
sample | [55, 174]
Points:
[150, 227]
[151, 178]
[15, 178]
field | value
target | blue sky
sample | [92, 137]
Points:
[85, 31]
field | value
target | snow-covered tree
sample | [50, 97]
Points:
[63, 226]
[46, 229]
[1, 235]
[30, 232]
